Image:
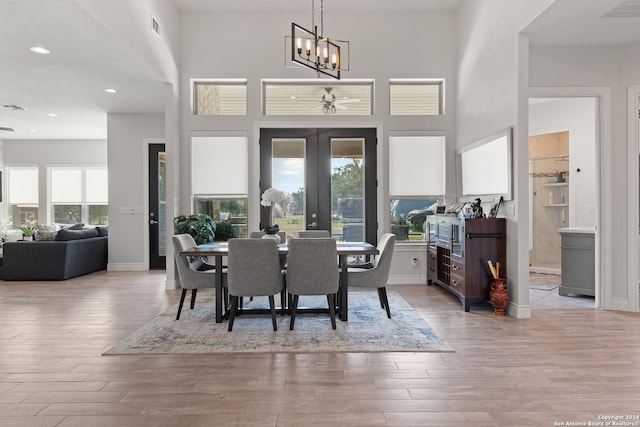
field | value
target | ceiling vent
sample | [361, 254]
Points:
[13, 107]
[6, 129]
[155, 26]
[626, 9]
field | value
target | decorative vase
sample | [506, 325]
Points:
[499, 296]
[273, 237]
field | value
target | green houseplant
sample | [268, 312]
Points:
[225, 231]
[28, 231]
[200, 226]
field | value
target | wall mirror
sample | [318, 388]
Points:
[485, 167]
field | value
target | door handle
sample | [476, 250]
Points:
[152, 222]
[313, 224]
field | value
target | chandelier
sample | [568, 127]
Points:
[313, 50]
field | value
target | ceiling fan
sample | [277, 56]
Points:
[330, 104]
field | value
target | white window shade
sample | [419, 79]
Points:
[23, 186]
[220, 165]
[97, 186]
[66, 186]
[417, 165]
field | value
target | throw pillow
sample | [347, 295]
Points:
[66, 234]
[78, 226]
[103, 230]
[46, 232]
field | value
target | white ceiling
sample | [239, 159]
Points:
[85, 58]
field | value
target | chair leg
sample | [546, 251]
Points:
[294, 307]
[234, 308]
[283, 305]
[332, 310]
[381, 298]
[184, 294]
[225, 298]
[193, 297]
[383, 295]
[272, 306]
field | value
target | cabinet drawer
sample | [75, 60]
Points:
[457, 283]
[457, 268]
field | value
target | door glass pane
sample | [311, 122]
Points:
[347, 188]
[288, 175]
[162, 204]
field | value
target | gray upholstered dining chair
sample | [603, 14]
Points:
[193, 273]
[307, 234]
[376, 274]
[312, 269]
[254, 270]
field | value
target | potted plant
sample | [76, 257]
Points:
[200, 226]
[225, 231]
[28, 231]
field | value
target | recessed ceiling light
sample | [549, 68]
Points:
[41, 50]
[97, 130]
[33, 130]
[52, 115]
[110, 90]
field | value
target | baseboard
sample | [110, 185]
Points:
[171, 284]
[123, 266]
[407, 280]
[519, 311]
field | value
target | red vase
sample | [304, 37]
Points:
[499, 296]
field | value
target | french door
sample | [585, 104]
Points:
[329, 176]
[157, 206]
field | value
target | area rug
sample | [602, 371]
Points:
[367, 330]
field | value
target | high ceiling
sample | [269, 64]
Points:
[85, 58]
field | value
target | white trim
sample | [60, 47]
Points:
[124, 266]
[633, 169]
[519, 311]
[603, 237]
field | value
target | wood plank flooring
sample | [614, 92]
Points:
[568, 363]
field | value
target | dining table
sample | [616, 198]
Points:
[219, 250]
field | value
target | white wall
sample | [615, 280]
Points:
[578, 116]
[389, 45]
[125, 159]
[492, 66]
[44, 153]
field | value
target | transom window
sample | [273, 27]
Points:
[225, 97]
[416, 97]
[317, 98]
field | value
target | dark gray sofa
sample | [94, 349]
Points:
[73, 253]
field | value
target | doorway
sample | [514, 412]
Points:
[564, 183]
[329, 176]
[157, 206]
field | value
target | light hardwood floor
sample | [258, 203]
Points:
[568, 363]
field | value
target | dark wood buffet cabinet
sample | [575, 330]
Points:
[457, 253]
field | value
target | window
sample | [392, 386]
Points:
[317, 98]
[78, 195]
[23, 195]
[226, 97]
[416, 179]
[416, 97]
[220, 171]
